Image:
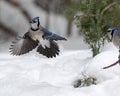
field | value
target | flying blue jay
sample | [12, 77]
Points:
[37, 36]
[115, 36]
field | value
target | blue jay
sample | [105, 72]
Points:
[37, 36]
[115, 36]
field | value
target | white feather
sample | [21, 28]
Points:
[45, 43]
[34, 25]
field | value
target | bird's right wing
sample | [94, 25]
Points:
[23, 45]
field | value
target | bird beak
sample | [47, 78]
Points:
[31, 21]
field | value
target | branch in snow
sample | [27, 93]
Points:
[115, 63]
[111, 65]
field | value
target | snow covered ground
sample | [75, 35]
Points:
[35, 75]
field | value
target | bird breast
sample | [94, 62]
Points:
[36, 35]
[116, 41]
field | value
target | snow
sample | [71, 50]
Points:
[35, 75]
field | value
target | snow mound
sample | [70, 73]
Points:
[29, 75]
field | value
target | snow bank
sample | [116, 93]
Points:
[29, 75]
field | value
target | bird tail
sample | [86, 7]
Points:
[50, 51]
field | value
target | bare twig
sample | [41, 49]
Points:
[101, 13]
[86, 15]
[111, 65]
[108, 6]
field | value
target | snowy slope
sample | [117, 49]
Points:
[33, 75]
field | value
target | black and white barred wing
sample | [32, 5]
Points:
[22, 46]
[50, 49]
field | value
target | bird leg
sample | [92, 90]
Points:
[115, 63]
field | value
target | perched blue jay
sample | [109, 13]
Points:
[37, 36]
[115, 36]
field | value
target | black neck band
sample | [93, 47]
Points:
[34, 29]
[112, 33]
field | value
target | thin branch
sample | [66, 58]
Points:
[102, 12]
[108, 6]
[111, 65]
[86, 15]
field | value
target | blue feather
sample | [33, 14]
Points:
[35, 19]
[49, 35]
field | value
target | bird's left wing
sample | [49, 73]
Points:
[49, 51]
[52, 36]
[23, 45]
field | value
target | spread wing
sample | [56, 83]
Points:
[23, 45]
[49, 51]
[52, 36]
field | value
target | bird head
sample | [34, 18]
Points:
[112, 30]
[35, 23]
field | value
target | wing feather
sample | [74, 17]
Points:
[22, 46]
[51, 36]
[49, 52]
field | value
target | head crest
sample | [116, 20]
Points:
[113, 28]
[35, 19]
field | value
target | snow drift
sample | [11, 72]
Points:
[33, 75]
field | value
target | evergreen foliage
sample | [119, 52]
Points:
[85, 81]
[95, 18]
